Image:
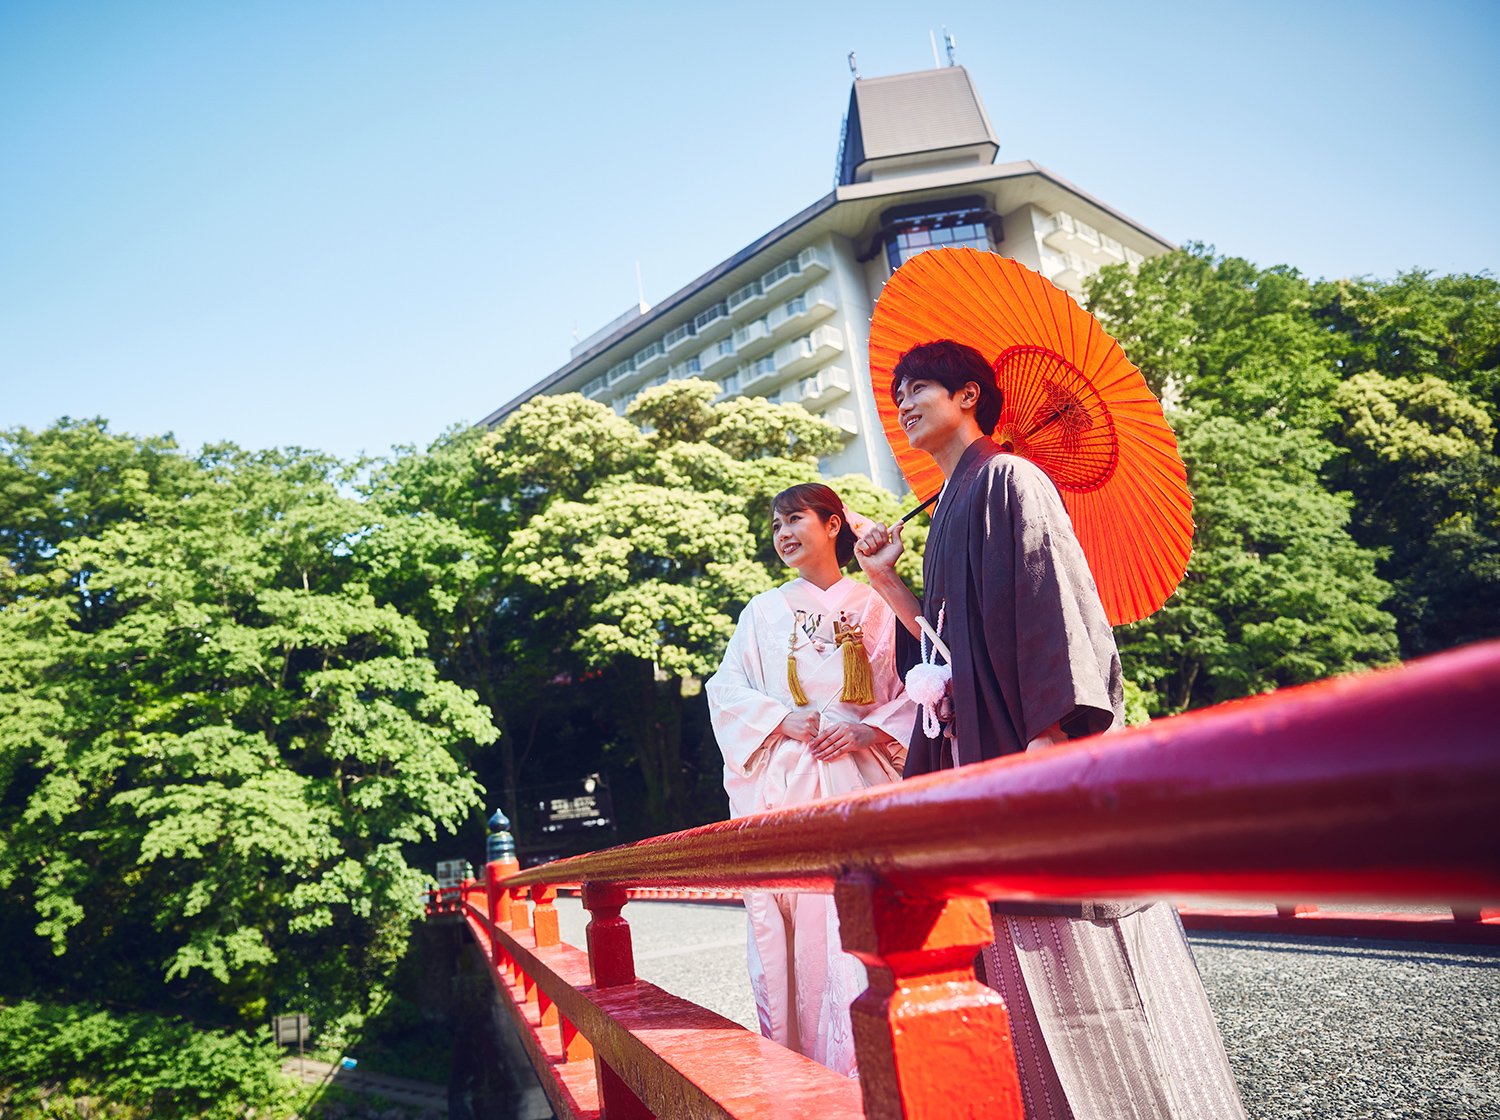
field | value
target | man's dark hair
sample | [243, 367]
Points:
[953, 365]
[825, 502]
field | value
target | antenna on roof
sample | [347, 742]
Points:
[950, 44]
[853, 66]
[640, 289]
[935, 62]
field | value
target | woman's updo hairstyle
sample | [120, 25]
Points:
[826, 503]
[953, 365]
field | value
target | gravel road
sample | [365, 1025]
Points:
[1335, 1029]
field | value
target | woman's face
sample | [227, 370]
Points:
[802, 537]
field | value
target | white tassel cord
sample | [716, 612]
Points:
[926, 683]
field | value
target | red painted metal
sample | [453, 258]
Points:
[1383, 786]
[611, 956]
[520, 917]
[498, 897]
[676, 1057]
[924, 1017]
[545, 916]
[568, 1080]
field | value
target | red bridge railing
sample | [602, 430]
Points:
[1383, 786]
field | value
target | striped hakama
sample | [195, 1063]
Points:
[1110, 1018]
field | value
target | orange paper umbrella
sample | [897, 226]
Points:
[1074, 405]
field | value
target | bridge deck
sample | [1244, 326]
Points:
[1314, 1027]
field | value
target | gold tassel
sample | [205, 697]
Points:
[792, 682]
[859, 679]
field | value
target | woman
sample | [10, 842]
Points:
[807, 704]
[1108, 1015]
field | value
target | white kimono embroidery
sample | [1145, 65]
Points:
[802, 978]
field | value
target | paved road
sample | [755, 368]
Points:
[1315, 1028]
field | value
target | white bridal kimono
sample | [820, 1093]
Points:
[802, 978]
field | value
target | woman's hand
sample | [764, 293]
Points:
[839, 739]
[801, 726]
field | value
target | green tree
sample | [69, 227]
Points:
[1416, 455]
[214, 747]
[1415, 326]
[644, 560]
[1277, 591]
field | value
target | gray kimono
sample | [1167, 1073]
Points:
[1030, 642]
[1108, 1013]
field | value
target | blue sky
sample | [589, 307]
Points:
[346, 225]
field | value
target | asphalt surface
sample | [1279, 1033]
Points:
[1314, 1027]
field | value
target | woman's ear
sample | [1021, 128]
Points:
[835, 523]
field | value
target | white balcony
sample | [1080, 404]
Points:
[712, 320]
[718, 357]
[1076, 269]
[823, 387]
[813, 261]
[595, 388]
[617, 373]
[796, 313]
[621, 405]
[751, 332]
[1070, 234]
[811, 350]
[757, 373]
[744, 297]
[809, 262]
[682, 334]
[693, 367]
[730, 384]
[1071, 237]
[650, 357]
[843, 419]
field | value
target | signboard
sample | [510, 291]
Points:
[290, 1029]
[584, 806]
[452, 872]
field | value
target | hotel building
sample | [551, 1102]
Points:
[788, 316]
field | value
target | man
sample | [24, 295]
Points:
[1108, 1013]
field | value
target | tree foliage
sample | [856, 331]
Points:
[133, 1064]
[1339, 439]
[214, 740]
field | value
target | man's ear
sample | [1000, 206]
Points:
[971, 394]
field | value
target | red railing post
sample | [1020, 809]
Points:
[611, 958]
[933, 1043]
[611, 965]
[544, 918]
[497, 896]
[520, 917]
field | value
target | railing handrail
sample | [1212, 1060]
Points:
[1380, 785]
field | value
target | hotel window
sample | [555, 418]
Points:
[726, 346]
[942, 224]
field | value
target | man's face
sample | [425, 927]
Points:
[930, 415]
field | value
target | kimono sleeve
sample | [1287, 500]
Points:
[1067, 668]
[895, 712]
[743, 713]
